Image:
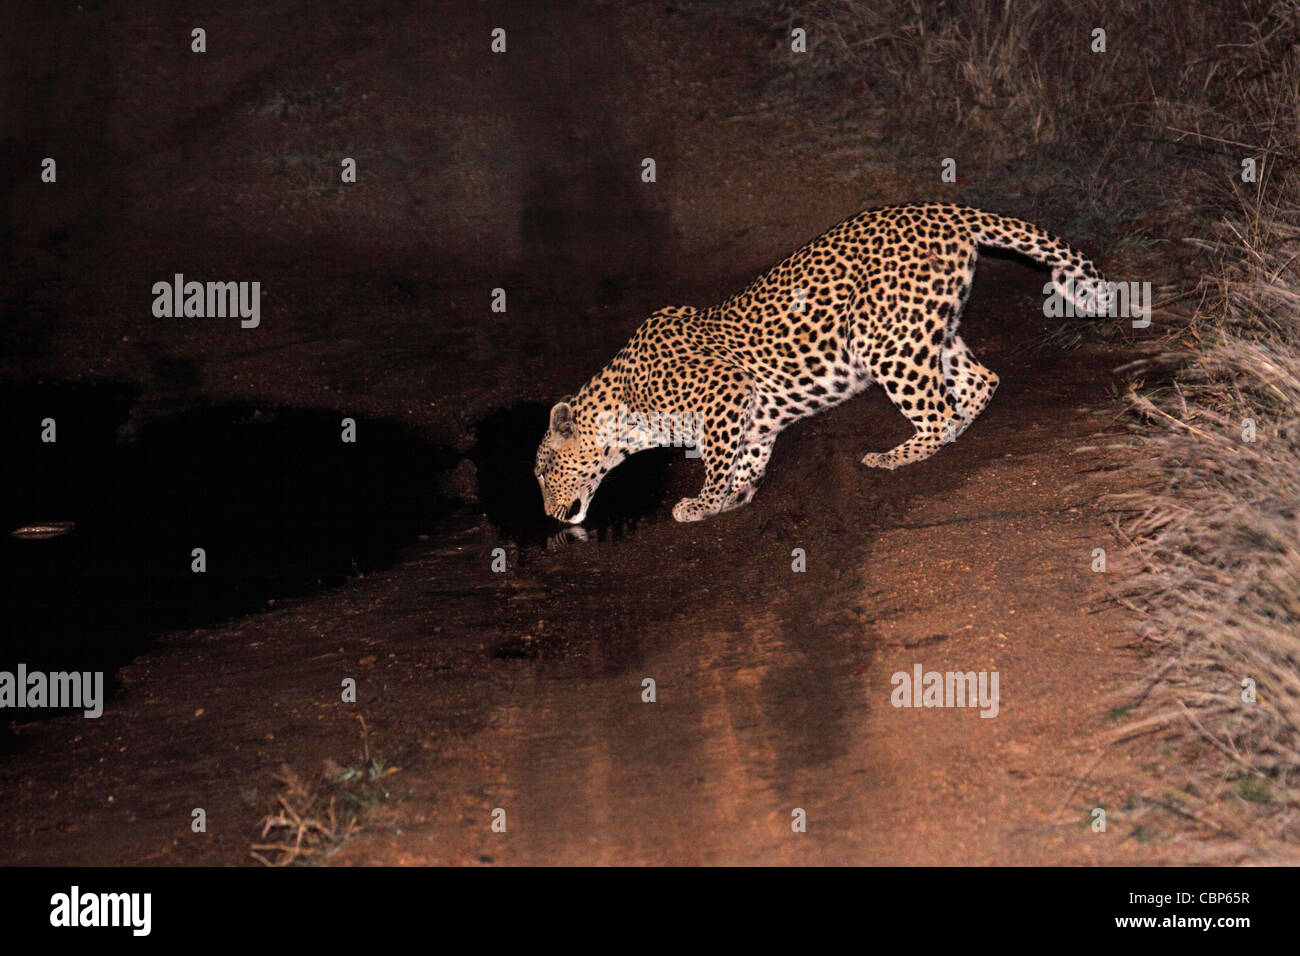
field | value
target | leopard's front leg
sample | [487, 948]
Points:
[721, 426]
[718, 464]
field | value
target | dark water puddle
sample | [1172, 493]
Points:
[508, 494]
[278, 502]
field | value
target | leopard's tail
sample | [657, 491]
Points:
[1074, 276]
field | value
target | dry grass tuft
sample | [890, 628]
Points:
[1219, 536]
[1099, 145]
[311, 822]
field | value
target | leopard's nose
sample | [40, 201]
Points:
[573, 509]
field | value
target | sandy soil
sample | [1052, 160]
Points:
[522, 690]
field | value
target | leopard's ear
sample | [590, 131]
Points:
[562, 420]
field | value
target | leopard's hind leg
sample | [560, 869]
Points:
[970, 385]
[915, 384]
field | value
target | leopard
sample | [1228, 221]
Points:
[874, 300]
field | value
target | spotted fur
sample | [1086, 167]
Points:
[874, 300]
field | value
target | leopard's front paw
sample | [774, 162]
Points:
[879, 460]
[691, 509]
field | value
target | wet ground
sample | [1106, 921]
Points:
[498, 664]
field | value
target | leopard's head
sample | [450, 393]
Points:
[573, 458]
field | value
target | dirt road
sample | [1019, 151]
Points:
[522, 690]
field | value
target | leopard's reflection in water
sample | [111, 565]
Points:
[565, 537]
